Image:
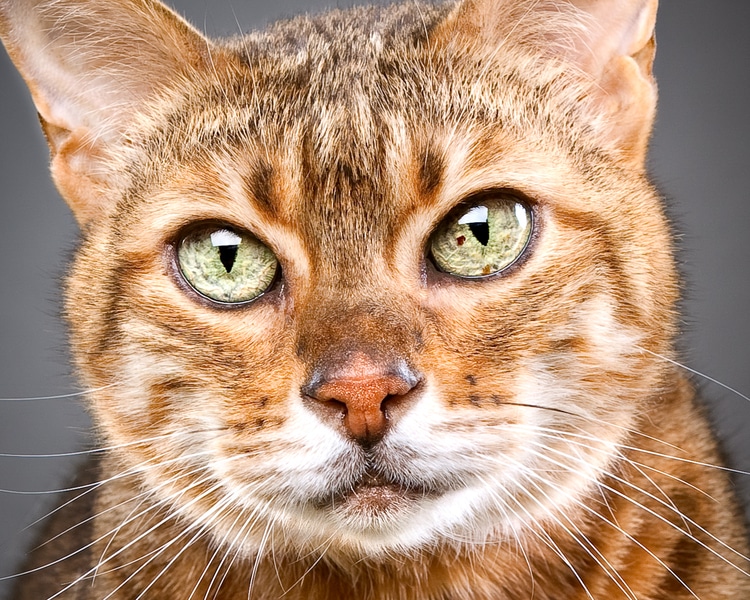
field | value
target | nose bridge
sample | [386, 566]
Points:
[358, 376]
[359, 363]
[338, 323]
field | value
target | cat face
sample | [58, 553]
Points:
[445, 272]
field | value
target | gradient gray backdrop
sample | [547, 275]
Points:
[699, 158]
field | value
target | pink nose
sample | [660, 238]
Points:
[365, 392]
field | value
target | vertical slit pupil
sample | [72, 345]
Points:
[227, 255]
[481, 231]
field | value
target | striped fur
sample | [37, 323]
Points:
[551, 450]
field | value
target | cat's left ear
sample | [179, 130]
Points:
[618, 51]
[611, 43]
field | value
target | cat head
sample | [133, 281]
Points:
[384, 278]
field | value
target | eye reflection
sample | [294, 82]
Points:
[477, 220]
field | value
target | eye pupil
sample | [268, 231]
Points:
[227, 255]
[481, 231]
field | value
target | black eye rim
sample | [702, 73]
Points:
[432, 272]
[175, 271]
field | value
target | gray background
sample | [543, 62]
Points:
[699, 158]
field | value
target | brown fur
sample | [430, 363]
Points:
[575, 458]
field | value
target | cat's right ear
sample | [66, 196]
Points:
[90, 66]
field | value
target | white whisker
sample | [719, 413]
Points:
[566, 436]
[545, 456]
[633, 448]
[65, 396]
[539, 532]
[694, 372]
[529, 474]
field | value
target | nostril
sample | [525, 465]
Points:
[394, 406]
[329, 411]
[334, 407]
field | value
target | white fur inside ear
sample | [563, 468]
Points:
[91, 64]
[95, 69]
[642, 29]
[613, 28]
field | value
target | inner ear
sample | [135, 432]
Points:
[86, 63]
[91, 66]
[607, 47]
[613, 29]
[618, 53]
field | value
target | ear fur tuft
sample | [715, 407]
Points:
[90, 65]
[610, 44]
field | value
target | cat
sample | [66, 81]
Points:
[372, 305]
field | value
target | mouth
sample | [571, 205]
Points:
[374, 494]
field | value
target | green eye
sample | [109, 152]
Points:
[226, 265]
[483, 238]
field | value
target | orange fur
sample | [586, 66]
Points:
[528, 437]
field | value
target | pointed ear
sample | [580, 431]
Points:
[617, 51]
[610, 43]
[90, 65]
